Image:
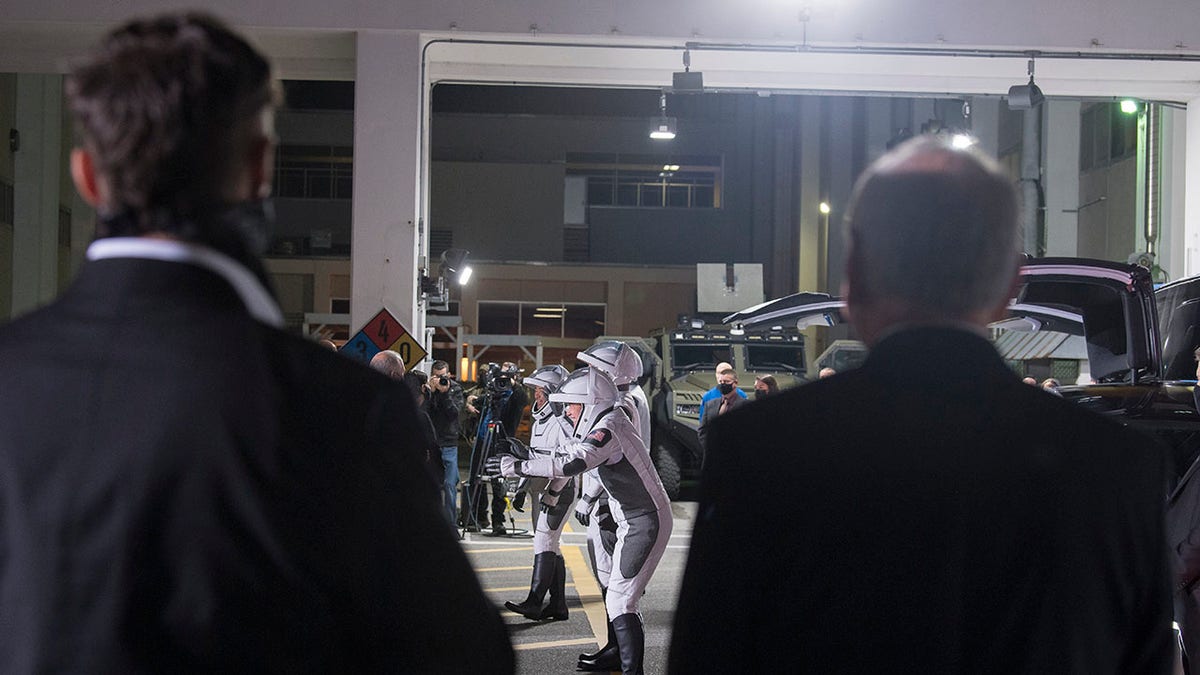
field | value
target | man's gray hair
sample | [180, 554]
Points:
[389, 363]
[935, 228]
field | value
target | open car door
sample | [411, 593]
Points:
[1110, 304]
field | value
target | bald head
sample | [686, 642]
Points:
[933, 236]
[389, 363]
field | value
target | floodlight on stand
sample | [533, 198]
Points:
[824, 208]
[455, 267]
[664, 127]
[1025, 96]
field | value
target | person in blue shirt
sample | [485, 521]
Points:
[715, 392]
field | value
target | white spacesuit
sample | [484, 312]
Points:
[605, 438]
[549, 431]
[622, 364]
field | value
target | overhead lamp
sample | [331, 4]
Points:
[1130, 106]
[1025, 96]
[670, 167]
[687, 82]
[824, 208]
[664, 127]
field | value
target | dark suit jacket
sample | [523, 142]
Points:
[940, 516]
[183, 489]
[711, 411]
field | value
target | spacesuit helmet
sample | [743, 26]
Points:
[615, 359]
[549, 378]
[592, 388]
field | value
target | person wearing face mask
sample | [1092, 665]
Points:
[553, 499]
[715, 392]
[606, 438]
[728, 400]
[764, 386]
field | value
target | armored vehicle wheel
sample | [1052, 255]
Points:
[667, 465]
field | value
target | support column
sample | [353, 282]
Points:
[35, 191]
[1060, 182]
[1191, 181]
[1174, 191]
[385, 241]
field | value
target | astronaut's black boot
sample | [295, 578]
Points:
[543, 575]
[556, 609]
[604, 660]
[631, 642]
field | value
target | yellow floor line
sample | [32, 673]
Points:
[510, 589]
[503, 569]
[556, 643]
[497, 550]
[589, 592]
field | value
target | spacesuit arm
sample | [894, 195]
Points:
[571, 459]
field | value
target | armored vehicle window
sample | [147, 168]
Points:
[699, 357]
[775, 357]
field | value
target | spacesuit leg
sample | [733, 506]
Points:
[546, 539]
[602, 541]
[641, 542]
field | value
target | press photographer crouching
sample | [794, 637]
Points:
[500, 406]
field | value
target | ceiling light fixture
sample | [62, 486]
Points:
[1025, 96]
[664, 127]
[962, 141]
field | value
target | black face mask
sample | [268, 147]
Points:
[725, 388]
[759, 393]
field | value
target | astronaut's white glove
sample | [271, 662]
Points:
[583, 511]
[510, 467]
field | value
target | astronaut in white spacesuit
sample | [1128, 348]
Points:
[605, 438]
[621, 363]
[549, 430]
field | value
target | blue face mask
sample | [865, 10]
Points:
[725, 388]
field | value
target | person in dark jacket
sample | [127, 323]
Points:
[226, 497]
[941, 516]
[445, 404]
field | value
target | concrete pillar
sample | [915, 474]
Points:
[387, 140]
[35, 191]
[809, 219]
[1174, 156]
[1191, 181]
[1060, 176]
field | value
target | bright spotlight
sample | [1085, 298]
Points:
[1129, 106]
[823, 207]
[962, 141]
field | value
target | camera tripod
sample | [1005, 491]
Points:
[489, 435]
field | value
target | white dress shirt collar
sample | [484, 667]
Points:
[254, 296]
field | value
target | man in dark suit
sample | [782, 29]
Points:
[184, 487]
[943, 516]
[728, 398]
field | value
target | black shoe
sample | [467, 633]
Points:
[543, 576]
[556, 610]
[498, 530]
[606, 660]
[472, 528]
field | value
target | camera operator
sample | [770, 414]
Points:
[503, 399]
[444, 405]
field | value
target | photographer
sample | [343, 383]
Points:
[444, 405]
[502, 399]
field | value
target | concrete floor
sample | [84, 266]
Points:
[504, 564]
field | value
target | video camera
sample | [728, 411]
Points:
[496, 378]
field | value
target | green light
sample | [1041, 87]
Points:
[1129, 106]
